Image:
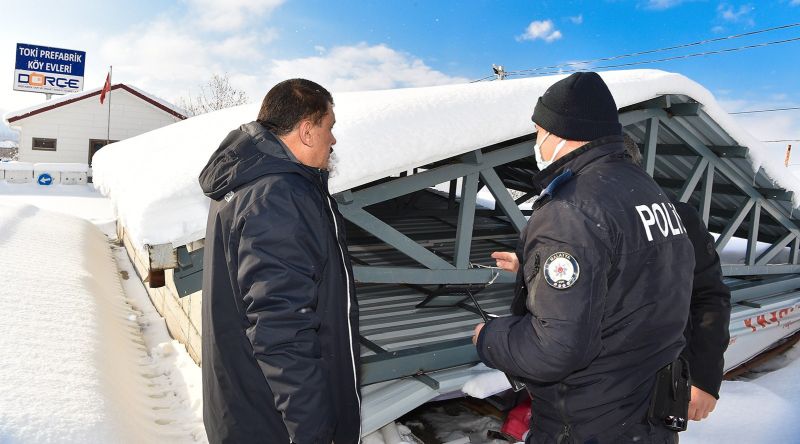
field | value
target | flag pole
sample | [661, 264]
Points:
[108, 126]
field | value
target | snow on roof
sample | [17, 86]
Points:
[152, 178]
[8, 144]
[66, 99]
[62, 167]
[16, 166]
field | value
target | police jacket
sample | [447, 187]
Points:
[280, 350]
[602, 297]
[707, 333]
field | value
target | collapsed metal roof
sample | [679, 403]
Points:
[407, 240]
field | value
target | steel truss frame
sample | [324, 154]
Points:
[479, 168]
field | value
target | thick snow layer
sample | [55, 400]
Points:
[58, 352]
[153, 177]
[761, 410]
[16, 166]
[62, 167]
[81, 360]
[75, 200]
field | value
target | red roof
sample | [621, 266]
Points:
[45, 107]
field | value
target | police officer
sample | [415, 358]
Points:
[602, 293]
[707, 334]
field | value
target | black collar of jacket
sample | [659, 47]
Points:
[579, 159]
[250, 152]
[267, 142]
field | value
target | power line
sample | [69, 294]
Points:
[781, 141]
[685, 56]
[669, 48]
[766, 110]
[485, 78]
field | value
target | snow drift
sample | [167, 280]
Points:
[73, 365]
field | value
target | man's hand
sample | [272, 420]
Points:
[477, 331]
[701, 404]
[506, 260]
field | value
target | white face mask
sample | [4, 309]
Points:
[537, 150]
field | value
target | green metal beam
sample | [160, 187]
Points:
[676, 149]
[731, 190]
[404, 185]
[705, 196]
[466, 220]
[752, 236]
[734, 225]
[731, 172]
[417, 360]
[756, 270]
[651, 142]
[766, 287]
[421, 276]
[776, 248]
[689, 109]
[188, 275]
[503, 199]
[691, 183]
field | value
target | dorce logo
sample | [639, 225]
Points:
[37, 79]
[662, 215]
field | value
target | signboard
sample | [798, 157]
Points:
[48, 70]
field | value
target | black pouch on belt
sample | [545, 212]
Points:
[669, 405]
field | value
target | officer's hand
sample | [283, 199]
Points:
[477, 331]
[506, 260]
[701, 404]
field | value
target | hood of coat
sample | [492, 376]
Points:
[246, 154]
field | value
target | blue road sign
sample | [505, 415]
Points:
[45, 179]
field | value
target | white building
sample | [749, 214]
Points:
[71, 128]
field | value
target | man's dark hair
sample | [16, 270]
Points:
[291, 101]
[632, 149]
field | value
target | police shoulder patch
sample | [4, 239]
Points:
[561, 270]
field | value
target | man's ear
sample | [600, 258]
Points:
[305, 133]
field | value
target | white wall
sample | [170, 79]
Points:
[74, 124]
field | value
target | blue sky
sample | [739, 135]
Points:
[170, 47]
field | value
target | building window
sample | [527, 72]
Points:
[44, 144]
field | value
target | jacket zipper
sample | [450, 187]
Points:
[565, 436]
[349, 308]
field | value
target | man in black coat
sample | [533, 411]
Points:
[280, 318]
[707, 333]
[602, 294]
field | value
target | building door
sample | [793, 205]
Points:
[95, 145]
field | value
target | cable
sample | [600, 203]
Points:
[669, 48]
[685, 56]
[766, 110]
[781, 141]
[485, 78]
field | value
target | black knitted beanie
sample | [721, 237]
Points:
[579, 107]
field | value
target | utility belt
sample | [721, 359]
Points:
[669, 405]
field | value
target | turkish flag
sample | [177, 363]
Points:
[106, 88]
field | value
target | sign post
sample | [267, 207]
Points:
[48, 70]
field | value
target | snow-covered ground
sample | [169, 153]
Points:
[761, 407]
[86, 358]
[75, 200]
[84, 355]
[765, 409]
